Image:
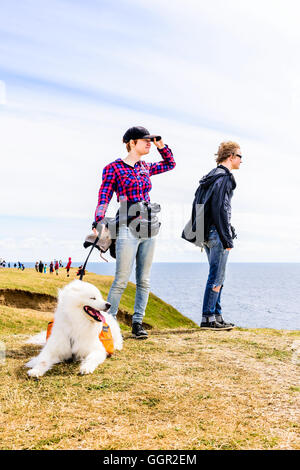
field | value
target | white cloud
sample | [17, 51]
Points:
[230, 65]
[200, 73]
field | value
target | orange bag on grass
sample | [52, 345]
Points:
[105, 337]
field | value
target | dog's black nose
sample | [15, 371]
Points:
[107, 306]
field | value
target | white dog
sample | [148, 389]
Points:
[77, 324]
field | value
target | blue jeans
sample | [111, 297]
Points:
[217, 258]
[128, 249]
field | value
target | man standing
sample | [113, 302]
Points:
[41, 267]
[214, 193]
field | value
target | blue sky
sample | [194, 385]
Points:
[76, 74]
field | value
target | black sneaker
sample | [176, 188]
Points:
[138, 331]
[225, 323]
[215, 326]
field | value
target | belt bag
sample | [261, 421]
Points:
[144, 223]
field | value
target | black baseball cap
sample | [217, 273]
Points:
[138, 132]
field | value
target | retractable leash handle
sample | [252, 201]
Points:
[85, 263]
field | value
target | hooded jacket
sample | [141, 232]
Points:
[214, 193]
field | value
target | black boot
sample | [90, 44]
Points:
[138, 331]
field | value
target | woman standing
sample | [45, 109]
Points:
[130, 179]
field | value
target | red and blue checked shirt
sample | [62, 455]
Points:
[130, 183]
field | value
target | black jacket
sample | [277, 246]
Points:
[214, 192]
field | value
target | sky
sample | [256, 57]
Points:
[75, 75]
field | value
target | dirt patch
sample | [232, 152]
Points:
[25, 299]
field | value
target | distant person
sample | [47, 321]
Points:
[215, 192]
[8, 265]
[68, 267]
[15, 265]
[37, 266]
[56, 267]
[45, 268]
[22, 267]
[60, 264]
[41, 266]
[51, 267]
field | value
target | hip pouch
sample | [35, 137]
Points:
[141, 218]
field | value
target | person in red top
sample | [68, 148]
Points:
[68, 266]
[129, 178]
[56, 267]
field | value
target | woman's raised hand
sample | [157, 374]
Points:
[159, 144]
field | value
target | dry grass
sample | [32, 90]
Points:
[181, 389]
[29, 289]
[177, 390]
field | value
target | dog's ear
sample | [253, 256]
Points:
[76, 285]
[75, 288]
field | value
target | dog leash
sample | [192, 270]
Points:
[85, 263]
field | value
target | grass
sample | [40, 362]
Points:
[182, 389]
[159, 314]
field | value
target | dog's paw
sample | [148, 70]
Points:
[87, 369]
[31, 363]
[35, 372]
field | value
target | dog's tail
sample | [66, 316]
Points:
[39, 339]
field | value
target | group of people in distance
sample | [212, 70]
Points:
[16, 265]
[41, 267]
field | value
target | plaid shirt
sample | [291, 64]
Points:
[130, 183]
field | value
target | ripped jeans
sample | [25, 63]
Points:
[217, 258]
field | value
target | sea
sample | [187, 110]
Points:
[255, 295]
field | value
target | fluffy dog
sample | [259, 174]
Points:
[78, 321]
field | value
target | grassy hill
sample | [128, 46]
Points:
[38, 291]
[183, 388]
